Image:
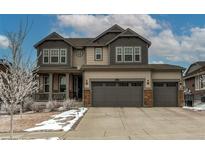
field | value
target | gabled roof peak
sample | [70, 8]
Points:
[52, 36]
[115, 28]
[130, 32]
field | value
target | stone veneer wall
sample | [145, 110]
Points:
[148, 98]
[180, 98]
[87, 98]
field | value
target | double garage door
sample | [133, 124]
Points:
[130, 94]
[117, 94]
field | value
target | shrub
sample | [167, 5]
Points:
[5, 108]
[38, 106]
[67, 104]
[27, 106]
[53, 105]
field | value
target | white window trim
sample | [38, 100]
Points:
[198, 83]
[62, 56]
[45, 56]
[51, 56]
[98, 53]
[140, 54]
[129, 54]
[116, 50]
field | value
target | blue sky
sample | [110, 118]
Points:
[176, 39]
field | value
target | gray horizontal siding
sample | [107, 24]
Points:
[50, 45]
[129, 41]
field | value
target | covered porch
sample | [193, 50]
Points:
[59, 86]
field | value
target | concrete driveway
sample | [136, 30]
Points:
[140, 123]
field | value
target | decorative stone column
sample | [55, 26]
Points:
[87, 97]
[180, 98]
[148, 98]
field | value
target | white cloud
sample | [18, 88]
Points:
[4, 42]
[187, 48]
[157, 62]
[92, 25]
[166, 45]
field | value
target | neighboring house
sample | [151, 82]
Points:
[3, 67]
[194, 79]
[109, 70]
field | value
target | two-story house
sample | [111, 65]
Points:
[109, 70]
[194, 79]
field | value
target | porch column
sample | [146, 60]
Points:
[50, 86]
[67, 85]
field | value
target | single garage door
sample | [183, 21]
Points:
[165, 94]
[117, 94]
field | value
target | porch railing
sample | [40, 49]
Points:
[59, 96]
[45, 96]
[41, 97]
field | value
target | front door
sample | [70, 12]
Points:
[77, 86]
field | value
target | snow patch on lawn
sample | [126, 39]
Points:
[63, 121]
[199, 107]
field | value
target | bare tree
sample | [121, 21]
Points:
[19, 81]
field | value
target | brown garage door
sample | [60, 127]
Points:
[117, 94]
[165, 94]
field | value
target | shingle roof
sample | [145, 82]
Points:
[52, 36]
[129, 32]
[80, 41]
[199, 64]
[114, 28]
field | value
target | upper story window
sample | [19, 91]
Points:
[137, 54]
[45, 56]
[54, 56]
[128, 54]
[98, 54]
[119, 54]
[63, 56]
